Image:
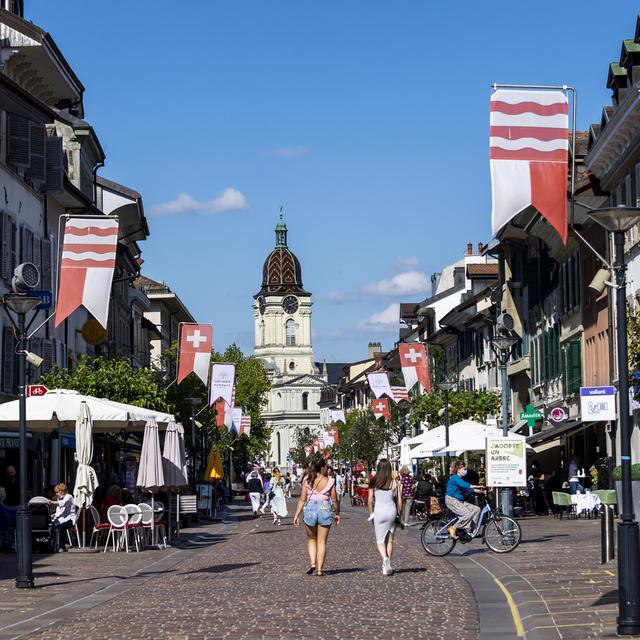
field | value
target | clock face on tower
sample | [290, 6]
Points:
[290, 304]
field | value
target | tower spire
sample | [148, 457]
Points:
[281, 231]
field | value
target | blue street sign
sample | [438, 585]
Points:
[47, 298]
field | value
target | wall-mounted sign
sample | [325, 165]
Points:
[93, 332]
[531, 415]
[557, 414]
[597, 403]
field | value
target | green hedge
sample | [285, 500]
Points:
[635, 472]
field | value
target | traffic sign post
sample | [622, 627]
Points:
[36, 390]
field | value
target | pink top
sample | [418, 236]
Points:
[323, 495]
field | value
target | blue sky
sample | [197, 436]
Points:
[367, 120]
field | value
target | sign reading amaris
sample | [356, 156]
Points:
[506, 463]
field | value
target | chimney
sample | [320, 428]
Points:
[469, 249]
[374, 347]
[435, 279]
[480, 248]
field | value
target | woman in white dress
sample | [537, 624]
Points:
[278, 502]
[385, 502]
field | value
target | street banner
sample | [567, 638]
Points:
[400, 393]
[379, 384]
[194, 353]
[506, 462]
[222, 379]
[414, 362]
[245, 425]
[529, 155]
[598, 404]
[337, 415]
[325, 416]
[236, 419]
[381, 409]
[335, 435]
[224, 415]
[308, 450]
[86, 268]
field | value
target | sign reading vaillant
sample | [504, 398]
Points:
[506, 462]
[598, 403]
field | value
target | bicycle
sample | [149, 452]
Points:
[500, 533]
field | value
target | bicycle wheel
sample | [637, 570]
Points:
[435, 538]
[502, 534]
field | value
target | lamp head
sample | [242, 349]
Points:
[33, 359]
[601, 280]
[25, 277]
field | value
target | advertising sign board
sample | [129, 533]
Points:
[598, 403]
[506, 462]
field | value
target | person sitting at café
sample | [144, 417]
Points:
[65, 516]
[574, 480]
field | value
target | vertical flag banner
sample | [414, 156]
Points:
[222, 379]
[245, 425]
[194, 354]
[529, 155]
[224, 411]
[316, 445]
[322, 440]
[236, 419]
[308, 450]
[334, 435]
[400, 393]
[379, 384]
[381, 409]
[337, 415]
[415, 365]
[86, 268]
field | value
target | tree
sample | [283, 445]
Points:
[112, 379]
[475, 405]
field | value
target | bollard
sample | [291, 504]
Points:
[606, 530]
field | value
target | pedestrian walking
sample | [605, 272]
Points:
[266, 481]
[408, 488]
[255, 488]
[278, 501]
[287, 484]
[319, 504]
[385, 503]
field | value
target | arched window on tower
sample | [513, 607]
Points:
[305, 401]
[290, 332]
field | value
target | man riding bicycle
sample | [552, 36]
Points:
[457, 490]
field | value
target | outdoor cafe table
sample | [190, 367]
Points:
[585, 502]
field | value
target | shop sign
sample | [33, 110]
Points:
[9, 443]
[557, 414]
[531, 415]
[506, 462]
[598, 404]
[68, 441]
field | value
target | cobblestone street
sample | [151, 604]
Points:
[251, 585]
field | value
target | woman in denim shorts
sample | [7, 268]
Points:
[321, 508]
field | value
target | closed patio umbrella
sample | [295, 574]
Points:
[174, 477]
[86, 479]
[183, 455]
[150, 472]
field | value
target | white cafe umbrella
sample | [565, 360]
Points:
[476, 440]
[174, 477]
[432, 441]
[150, 472]
[86, 478]
[183, 455]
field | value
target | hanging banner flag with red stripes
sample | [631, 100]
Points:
[381, 409]
[415, 365]
[334, 435]
[194, 353]
[316, 445]
[245, 425]
[400, 393]
[529, 155]
[86, 269]
[224, 414]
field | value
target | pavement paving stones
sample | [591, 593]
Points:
[251, 585]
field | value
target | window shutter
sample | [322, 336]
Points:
[47, 354]
[575, 367]
[8, 359]
[46, 264]
[36, 252]
[26, 244]
[54, 165]
[9, 248]
[19, 141]
[37, 167]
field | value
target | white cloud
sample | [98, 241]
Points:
[289, 152]
[386, 321]
[229, 200]
[402, 284]
[337, 295]
[412, 261]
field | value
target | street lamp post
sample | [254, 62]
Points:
[193, 403]
[17, 306]
[502, 345]
[618, 220]
[446, 387]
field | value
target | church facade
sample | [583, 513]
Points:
[282, 312]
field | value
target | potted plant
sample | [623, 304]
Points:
[635, 486]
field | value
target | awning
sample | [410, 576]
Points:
[518, 426]
[562, 429]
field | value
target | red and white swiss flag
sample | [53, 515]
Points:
[415, 365]
[334, 435]
[86, 269]
[194, 354]
[529, 155]
[381, 408]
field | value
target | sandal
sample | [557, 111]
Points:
[310, 570]
[321, 573]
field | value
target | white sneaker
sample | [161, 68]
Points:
[386, 567]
